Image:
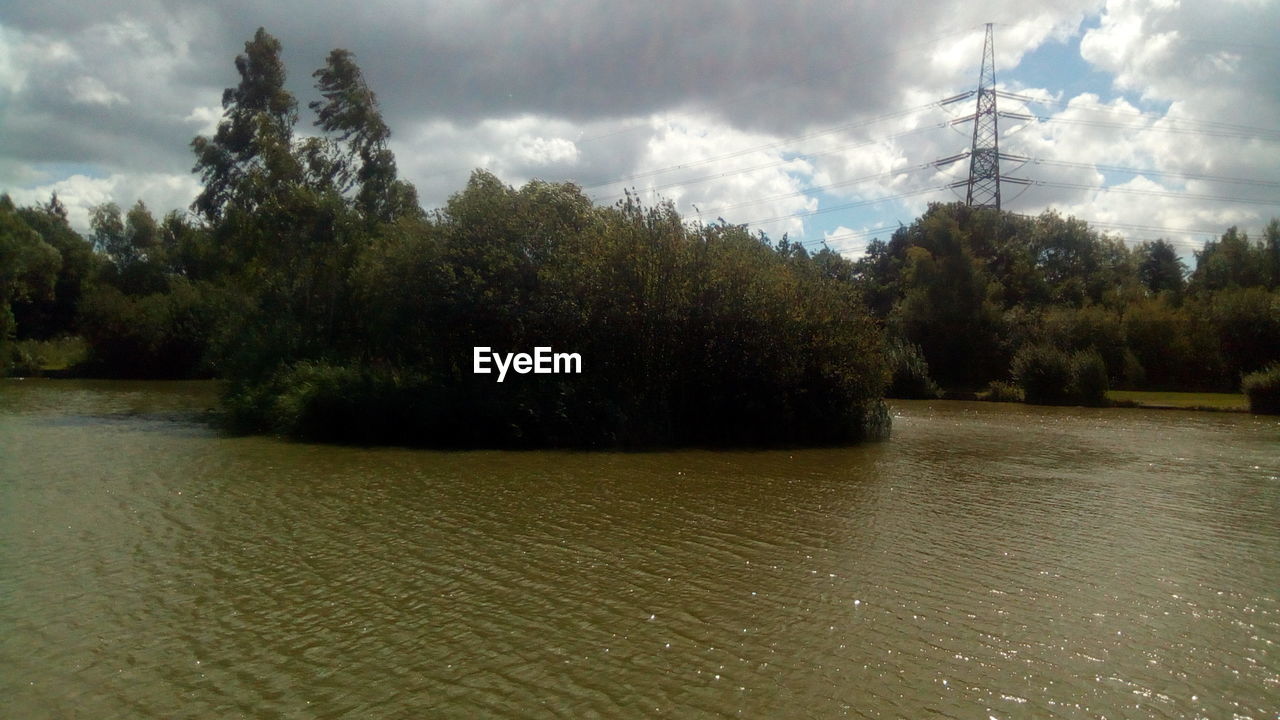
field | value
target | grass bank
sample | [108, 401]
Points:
[34, 358]
[1226, 402]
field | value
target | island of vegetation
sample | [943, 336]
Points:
[308, 278]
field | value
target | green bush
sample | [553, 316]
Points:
[1088, 379]
[1247, 322]
[1049, 376]
[910, 373]
[1044, 374]
[688, 335]
[34, 357]
[1263, 389]
[162, 335]
[1002, 392]
[314, 400]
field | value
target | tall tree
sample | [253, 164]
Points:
[1160, 269]
[350, 111]
[1231, 261]
[39, 316]
[28, 268]
[251, 154]
[1271, 253]
[946, 306]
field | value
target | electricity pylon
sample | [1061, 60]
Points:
[982, 189]
[984, 155]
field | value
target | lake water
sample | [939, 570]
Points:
[989, 560]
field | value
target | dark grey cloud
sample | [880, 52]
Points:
[577, 90]
[779, 66]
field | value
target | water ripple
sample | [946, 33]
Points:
[989, 561]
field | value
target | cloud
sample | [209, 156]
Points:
[92, 91]
[81, 193]
[847, 241]
[750, 110]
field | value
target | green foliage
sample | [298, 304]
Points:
[946, 306]
[910, 373]
[132, 246]
[1053, 280]
[48, 315]
[28, 270]
[1070, 256]
[1093, 328]
[160, 335]
[1049, 376]
[326, 402]
[688, 335]
[1271, 254]
[1088, 379]
[350, 111]
[1263, 389]
[1044, 374]
[1247, 324]
[1160, 269]
[1232, 261]
[998, 391]
[1158, 336]
[36, 357]
[250, 157]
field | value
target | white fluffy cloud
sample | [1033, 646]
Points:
[742, 110]
[80, 193]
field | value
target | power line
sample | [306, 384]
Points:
[766, 146]
[1224, 133]
[820, 188]
[1152, 171]
[844, 206]
[776, 163]
[1210, 127]
[1155, 193]
[748, 95]
[857, 234]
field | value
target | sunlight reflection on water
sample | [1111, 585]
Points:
[989, 560]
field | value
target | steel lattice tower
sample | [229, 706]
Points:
[984, 157]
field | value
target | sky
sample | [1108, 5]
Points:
[821, 120]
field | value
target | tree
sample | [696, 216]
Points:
[1160, 269]
[1247, 321]
[1231, 261]
[1271, 253]
[946, 307]
[1066, 251]
[41, 316]
[250, 157]
[28, 268]
[350, 110]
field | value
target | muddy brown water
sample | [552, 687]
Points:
[989, 560]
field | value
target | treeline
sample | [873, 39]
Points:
[977, 299]
[308, 277]
[336, 309]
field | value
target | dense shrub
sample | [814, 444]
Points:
[161, 335]
[910, 373]
[1263, 390]
[1247, 323]
[1088, 379]
[704, 335]
[34, 357]
[999, 391]
[1092, 328]
[1044, 374]
[1049, 376]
